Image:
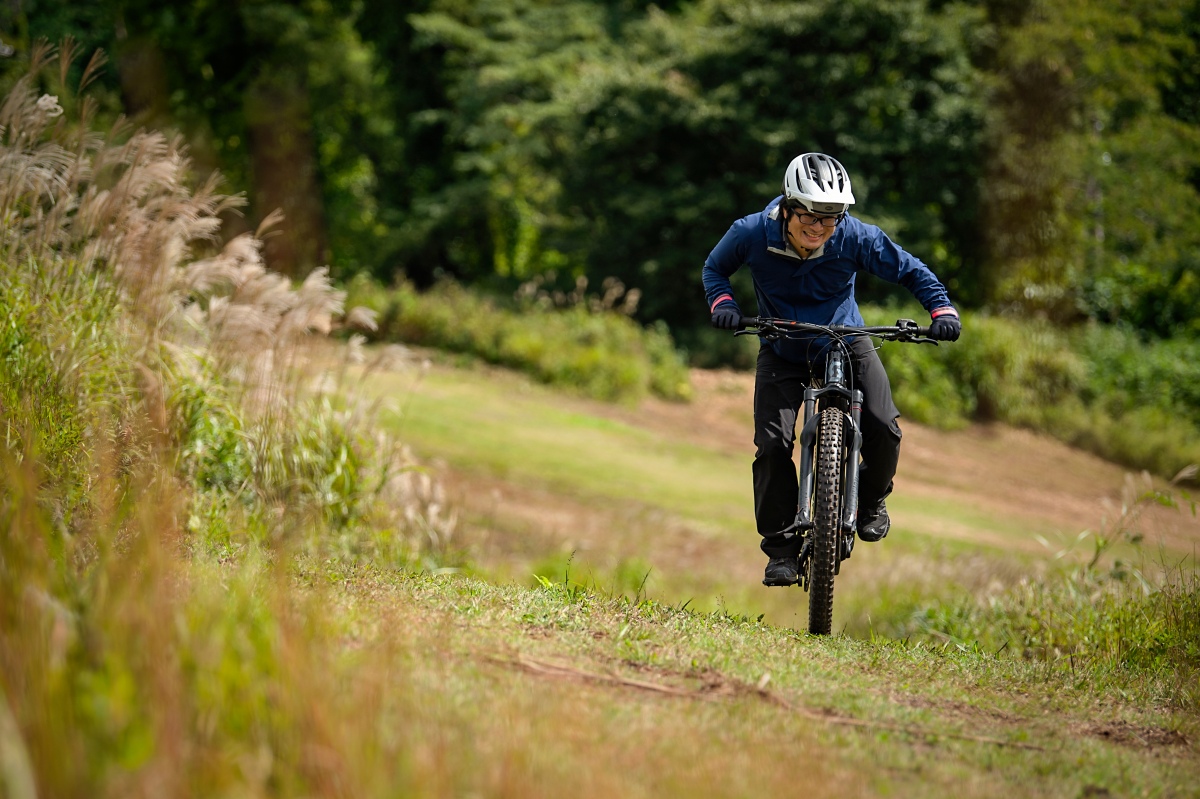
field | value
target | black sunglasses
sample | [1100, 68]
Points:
[810, 219]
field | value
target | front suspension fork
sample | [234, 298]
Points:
[808, 447]
[808, 438]
[850, 494]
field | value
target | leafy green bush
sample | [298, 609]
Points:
[600, 353]
[1103, 389]
[1129, 371]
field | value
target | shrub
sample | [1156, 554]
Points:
[1105, 390]
[594, 350]
[1128, 371]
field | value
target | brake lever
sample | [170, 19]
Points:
[906, 334]
[765, 335]
[906, 339]
[766, 332]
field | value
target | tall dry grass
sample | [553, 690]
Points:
[124, 203]
[121, 211]
[178, 435]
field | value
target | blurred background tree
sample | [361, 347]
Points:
[1089, 198]
[628, 149]
[1041, 155]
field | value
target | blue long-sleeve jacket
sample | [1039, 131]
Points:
[819, 289]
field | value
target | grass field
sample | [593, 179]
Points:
[647, 660]
[661, 491]
[643, 660]
[500, 690]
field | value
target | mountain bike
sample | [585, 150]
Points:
[830, 441]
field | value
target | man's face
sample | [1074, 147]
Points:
[810, 231]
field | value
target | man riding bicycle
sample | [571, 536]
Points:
[804, 251]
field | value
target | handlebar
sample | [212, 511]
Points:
[903, 330]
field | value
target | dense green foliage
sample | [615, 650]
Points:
[1089, 195]
[1039, 155]
[630, 154]
[585, 346]
[1100, 388]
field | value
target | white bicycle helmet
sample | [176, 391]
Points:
[818, 183]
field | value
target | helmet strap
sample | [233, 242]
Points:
[788, 211]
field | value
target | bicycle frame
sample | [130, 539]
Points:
[835, 391]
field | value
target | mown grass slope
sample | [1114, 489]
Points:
[506, 690]
[660, 492]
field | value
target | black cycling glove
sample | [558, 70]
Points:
[946, 325]
[727, 316]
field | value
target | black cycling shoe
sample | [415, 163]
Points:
[873, 522]
[782, 571]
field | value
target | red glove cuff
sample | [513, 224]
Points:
[947, 310]
[719, 300]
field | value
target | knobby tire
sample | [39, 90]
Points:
[827, 505]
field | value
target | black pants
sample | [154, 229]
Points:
[778, 397]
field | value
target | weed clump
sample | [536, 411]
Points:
[1105, 621]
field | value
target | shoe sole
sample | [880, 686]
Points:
[779, 583]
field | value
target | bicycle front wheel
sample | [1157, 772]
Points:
[827, 504]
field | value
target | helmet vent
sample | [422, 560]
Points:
[817, 178]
